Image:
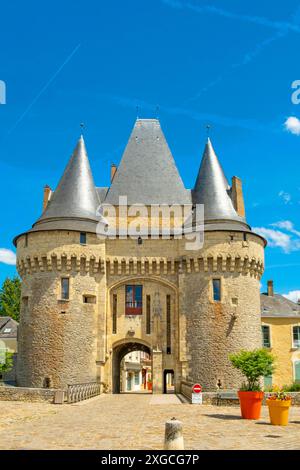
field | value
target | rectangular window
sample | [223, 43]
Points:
[217, 290]
[266, 341]
[136, 378]
[168, 308]
[134, 300]
[297, 371]
[65, 288]
[148, 316]
[296, 336]
[268, 381]
[114, 317]
[83, 238]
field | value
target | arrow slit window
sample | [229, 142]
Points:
[148, 315]
[168, 307]
[216, 290]
[134, 300]
[114, 323]
[65, 288]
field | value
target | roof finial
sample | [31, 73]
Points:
[137, 111]
[208, 128]
[82, 126]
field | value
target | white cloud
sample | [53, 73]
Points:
[292, 124]
[286, 197]
[275, 238]
[286, 225]
[289, 241]
[293, 295]
[7, 256]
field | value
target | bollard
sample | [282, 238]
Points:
[173, 435]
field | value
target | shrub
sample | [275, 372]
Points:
[253, 365]
[295, 387]
[7, 364]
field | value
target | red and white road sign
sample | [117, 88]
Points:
[197, 388]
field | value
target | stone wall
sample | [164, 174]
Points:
[67, 342]
[27, 394]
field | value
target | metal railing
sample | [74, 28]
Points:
[79, 392]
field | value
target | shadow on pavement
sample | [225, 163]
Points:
[226, 417]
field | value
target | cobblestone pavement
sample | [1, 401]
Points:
[137, 422]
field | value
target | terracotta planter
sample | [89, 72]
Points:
[149, 385]
[250, 403]
[279, 411]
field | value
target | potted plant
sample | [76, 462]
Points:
[253, 365]
[149, 383]
[279, 404]
[6, 364]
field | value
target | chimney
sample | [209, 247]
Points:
[270, 289]
[237, 196]
[47, 195]
[113, 170]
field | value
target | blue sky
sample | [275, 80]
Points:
[227, 63]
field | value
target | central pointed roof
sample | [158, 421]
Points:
[147, 173]
[75, 196]
[212, 190]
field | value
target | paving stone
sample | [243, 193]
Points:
[133, 421]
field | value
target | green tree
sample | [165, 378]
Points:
[253, 365]
[6, 363]
[10, 297]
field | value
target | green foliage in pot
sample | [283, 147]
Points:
[253, 365]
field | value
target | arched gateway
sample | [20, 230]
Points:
[119, 352]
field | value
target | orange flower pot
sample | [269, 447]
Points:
[149, 385]
[279, 411]
[250, 403]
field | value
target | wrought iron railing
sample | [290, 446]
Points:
[79, 392]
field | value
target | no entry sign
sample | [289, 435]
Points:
[197, 394]
[197, 388]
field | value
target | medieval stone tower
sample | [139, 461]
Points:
[89, 299]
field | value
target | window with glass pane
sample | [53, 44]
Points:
[266, 336]
[134, 300]
[65, 288]
[136, 378]
[268, 380]
[296, 336]
[297, 371]
[83, 238]
[217, 290]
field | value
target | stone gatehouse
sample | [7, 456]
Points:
[89, 299]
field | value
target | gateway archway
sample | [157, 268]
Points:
[131, 368]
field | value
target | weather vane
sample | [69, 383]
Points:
[208, 128]
[82, 126]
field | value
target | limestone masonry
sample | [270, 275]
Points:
[87, 299]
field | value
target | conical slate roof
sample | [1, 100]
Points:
[147, 173]
[212, 190]
[75, 196]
